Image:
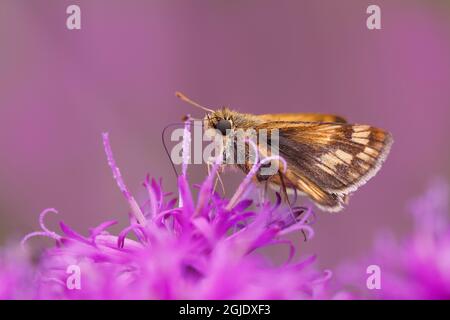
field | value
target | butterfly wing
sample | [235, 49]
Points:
[328, 161]
[301, 117]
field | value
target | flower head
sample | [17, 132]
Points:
[183, 248]
[417, 267]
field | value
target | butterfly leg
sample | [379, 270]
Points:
[208, 166]
[219, 179]
[283, 188]
[283, 191]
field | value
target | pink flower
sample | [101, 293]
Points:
[185, 248]
[417, 267]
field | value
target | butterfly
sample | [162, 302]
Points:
[326, 158]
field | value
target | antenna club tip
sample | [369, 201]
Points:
[195, 104]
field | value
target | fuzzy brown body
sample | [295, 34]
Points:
[327, 158]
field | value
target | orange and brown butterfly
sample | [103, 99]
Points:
[327, 158]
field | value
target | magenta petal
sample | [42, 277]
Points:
[197, 250]
[185, 195]
[242, 205]
[72, 234]
[102, 227]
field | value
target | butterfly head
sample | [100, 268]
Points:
[221, 120]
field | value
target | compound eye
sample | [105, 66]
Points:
[223, 125]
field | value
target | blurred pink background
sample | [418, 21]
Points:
[60, 89]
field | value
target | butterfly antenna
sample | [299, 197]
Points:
[167, 150]
[163, 134]
[191, 102]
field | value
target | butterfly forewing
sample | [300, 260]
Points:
[327, 161]
[301, 117]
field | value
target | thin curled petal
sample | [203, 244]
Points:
[42, 217]
[39, 233]
[298, 227]
[124, 233]
[101, 228]
[290, 245]
[326, 277]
